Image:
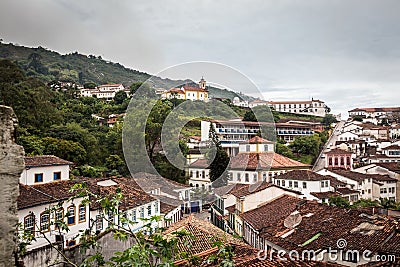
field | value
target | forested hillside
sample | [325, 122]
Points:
[50, 66]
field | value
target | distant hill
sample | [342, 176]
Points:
[74, 67]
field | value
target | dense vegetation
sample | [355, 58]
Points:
[50, 66]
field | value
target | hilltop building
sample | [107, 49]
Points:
[105, 91]
[187, 92]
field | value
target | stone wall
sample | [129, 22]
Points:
[11, 166]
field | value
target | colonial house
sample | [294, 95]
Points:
[338, 158]
[105, 91]
[311, 107]
[162, 187]
[231, 133]
[199, 174]
[391, 169]
[42, 207]
[347, 136]
[391, 151]
[370, 186]
[257, 162]
[45, 201]
[373, 112]
[394, 132]
[241, 198]
[187, 92]
[303, 181]
[300, 227]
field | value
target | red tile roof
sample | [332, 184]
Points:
[271, 213]
[379, 234]
[346, 191]
[202, 245]
[392, 166]
[200, 163]
[337, 151]
[359, 177]
[34, 195]
[251, 189]
[258, 140]
[302, 175]
[45, 160]
[392, 147]
[325, 195]
[264, 161]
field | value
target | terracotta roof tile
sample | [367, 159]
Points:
[200, 163]
[266, 161]
[45, 160]
[302, 175]
[337, 151]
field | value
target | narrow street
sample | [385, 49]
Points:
[320, 162]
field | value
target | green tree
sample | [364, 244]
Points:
[114, 162]
[120, 97]
[284, 150]
[218, 164]
[339, 202]
[249, 116]
[328, 120]
[306, 145]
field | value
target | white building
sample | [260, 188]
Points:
[312, 107]
[257, 161]
[231, 133]
[105, 91]
[187, 92]
[303, 181]
[199, 174]
[370, 186]
[240, 103]
[45, 202]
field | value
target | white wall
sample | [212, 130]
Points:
[51, 235]
[28, 175]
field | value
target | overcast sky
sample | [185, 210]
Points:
[343, 52]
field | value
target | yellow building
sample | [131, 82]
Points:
[187, 92]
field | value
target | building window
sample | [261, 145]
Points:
[197, 174]
[330, 161]
[203, 173]
[264, 177]
[59, 217]
[134, 215]
[341, 161]
[111, 217]
[71, 215]
[38, 177]
[322, 184]
[304, 185]
[99, 223]
[336, 161]
[191, 173]
[246, 177]
[283, 182]
[57, 176]
[29, 223]
[142, 212]
[45, 221]
[290, 184]
[296, 184]
[82, 213]
[265, 148]
[247, 148]
[238, 177]
[149, 210]
[156, 207]
[255, 177]
[326, 183]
